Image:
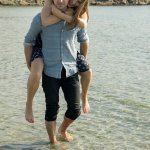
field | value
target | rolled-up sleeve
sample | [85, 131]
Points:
[82, 36]
[34, 30]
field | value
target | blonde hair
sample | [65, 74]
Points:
[79, 11]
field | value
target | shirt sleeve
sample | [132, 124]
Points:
[34, 30]
[82, 36]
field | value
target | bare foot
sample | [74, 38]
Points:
[66, 136]
[86, 107]
[54, 142]
[29, 114]
[55, 145]
[85, 104]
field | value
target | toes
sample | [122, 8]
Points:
[30, 120]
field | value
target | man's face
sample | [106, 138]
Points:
[61, 4]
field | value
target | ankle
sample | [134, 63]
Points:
[85, 103]
[84, 94]
[53, 140]
[62, 130]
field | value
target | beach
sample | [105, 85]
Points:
[119, 94]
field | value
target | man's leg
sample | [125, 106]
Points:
[51, 130]
[63, 129]
[32, 86]
[71, 89]
[51, 89]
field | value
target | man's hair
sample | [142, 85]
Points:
[79, 11]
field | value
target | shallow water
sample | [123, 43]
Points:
[119, 95]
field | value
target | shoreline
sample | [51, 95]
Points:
[91, 3]
[119, 3]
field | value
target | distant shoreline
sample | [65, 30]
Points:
[119, 3]
[92, 3]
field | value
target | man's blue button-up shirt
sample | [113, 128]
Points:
[58, 46]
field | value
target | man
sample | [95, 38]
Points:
[59, 56]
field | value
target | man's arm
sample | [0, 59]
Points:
[84, 48]
[30, 38]
[46, 14]
[83, 39]
[28, 53]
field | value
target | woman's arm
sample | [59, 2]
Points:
[67, 15]
[46, 15]
[82, 21]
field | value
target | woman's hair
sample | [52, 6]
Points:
[79, 11]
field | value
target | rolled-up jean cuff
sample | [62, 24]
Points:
[73, 116]
[84, 41]
[27, 44]
[47, 119]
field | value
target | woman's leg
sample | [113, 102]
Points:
[85, 83]
[86, 76]
[32, 86]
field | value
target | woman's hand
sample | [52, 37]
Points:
[55, 10]
[69, 12]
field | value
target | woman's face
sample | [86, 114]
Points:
[74, 3]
